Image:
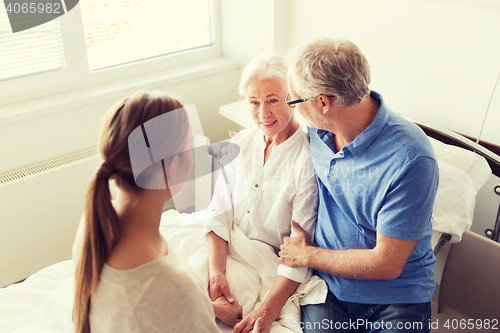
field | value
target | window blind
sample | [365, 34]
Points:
[123, 31]
[31, 51]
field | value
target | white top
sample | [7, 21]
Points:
[263, 199]
[162, 295]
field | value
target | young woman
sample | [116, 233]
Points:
[127, 278]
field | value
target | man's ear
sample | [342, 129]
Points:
[324, 103]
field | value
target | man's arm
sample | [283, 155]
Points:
[385, 261]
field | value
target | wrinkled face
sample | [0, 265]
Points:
[268, 108]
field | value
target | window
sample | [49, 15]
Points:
[31, 51]
[104, 40]
[124, 31]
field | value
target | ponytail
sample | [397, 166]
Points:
[102, 225]
[101, 229]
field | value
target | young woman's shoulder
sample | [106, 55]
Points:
[177, 301]
[159, 296]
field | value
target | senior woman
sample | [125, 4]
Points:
[280, 187]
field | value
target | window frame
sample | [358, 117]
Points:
[76, 73]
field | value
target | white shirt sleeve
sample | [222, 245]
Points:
[262, 199]
[304, 212]
[220, 210]
[230, 189]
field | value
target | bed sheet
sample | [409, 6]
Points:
[40, 304]
[250, 270]
[43, 302]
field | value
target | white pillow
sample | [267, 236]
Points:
[461, 174]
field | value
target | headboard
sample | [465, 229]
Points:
[452, 138]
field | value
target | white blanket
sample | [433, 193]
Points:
[43, 302]
[250, 271]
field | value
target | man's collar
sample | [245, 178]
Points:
[359, 145]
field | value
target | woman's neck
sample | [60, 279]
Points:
[279, 138]
[139, 240]
[140, 212]
[283, 135]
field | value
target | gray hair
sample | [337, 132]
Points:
[328, 66]
[263, 67]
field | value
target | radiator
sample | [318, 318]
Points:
[40, 210]
[41, 206]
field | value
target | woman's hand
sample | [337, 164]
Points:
[225, 306]
[229, 313]
[218, 286]
[259, 320]
[257, 328]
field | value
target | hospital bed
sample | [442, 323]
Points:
[467, 269]
[42, 303]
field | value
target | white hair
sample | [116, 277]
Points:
[328, 66]
[263, 67]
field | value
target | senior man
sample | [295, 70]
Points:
[377, 179]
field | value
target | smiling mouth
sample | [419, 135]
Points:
[268, 124]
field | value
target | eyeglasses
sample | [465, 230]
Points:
[294, 103]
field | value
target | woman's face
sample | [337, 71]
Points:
[268, 108]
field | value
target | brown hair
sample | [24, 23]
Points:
[102, 224]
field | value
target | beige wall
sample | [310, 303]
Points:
[40, 139]
[434, 61]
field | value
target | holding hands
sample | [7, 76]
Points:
[259, 320]
[226, 308]
[218, 286]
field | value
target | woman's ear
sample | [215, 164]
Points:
[171, 169]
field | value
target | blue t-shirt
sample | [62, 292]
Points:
[386, 181]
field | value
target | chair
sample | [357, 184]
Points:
[470, 286]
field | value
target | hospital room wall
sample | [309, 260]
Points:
[51, 136]
[39, 214]
[434, 61]
[250, 28]
[40, 139]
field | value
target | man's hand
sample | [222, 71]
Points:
[259, 320]
[218, 286]
[229, 313]
[294, 249]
